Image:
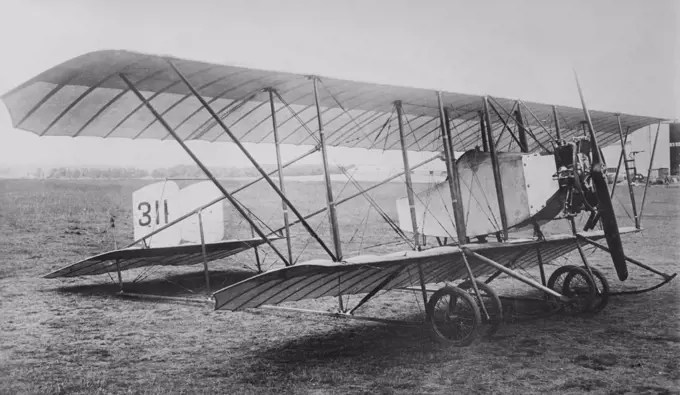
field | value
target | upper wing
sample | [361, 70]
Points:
[362, 274]
[85, 97]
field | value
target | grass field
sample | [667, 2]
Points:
[76, 337]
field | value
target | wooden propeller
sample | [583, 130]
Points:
[605, 206]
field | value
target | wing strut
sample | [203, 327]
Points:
[204, 253]
[482, 128]
[523, 145]
[277, 145]
[452, 169]
[205, 170]
[255, 164]
[558, 137]
[649, 170]
[496, 169]
[407, 176]
[625, 160]
[335, 229]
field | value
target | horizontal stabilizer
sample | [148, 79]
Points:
[132, 258]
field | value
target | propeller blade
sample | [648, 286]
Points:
[605, 206]
[597, 160]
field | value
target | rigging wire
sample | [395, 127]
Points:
[366, 195]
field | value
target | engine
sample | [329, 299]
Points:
[573, 163]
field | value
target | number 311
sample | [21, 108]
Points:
[145, 207]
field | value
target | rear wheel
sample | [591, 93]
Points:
[580, 289]
[453, 316]
[602, 292]
[556, 283]
[492, 303]
[556, 280]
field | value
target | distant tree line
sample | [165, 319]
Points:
[178, 171]
[84, 172]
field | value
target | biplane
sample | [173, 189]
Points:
[520, 165]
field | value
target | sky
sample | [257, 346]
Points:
[626, 52]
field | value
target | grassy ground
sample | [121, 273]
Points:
[76, 337]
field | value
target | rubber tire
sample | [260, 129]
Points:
[591, 290]
[556, 304]
[454, 292]
[556, 274]
[492, 303]
[601, 299]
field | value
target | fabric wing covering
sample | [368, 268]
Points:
[85, 96]
[133, 258]
[316, 279]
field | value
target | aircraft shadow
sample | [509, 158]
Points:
[375, 342]
[386, 345]
[175, 285]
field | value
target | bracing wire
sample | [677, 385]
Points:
[368, 215]
[309, 239]
[353, 180]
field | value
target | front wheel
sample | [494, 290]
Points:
[602, 293]
[453, 316]
[580, 288]
[492, 304]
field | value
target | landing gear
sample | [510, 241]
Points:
[556, 280]
[456, 316]
[601, 293]
[589, 294]
[453, 316]
[492, 304]
[580, 288]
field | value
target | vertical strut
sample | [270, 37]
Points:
[407, 176]
[204, 253]
[120, 276]
[625, 165]
[482, 129]
[622, 160]
[335, 230]
[496, 170]
[452, 174]
[200, 164]
[585, 263]
[257, 254]
[524, 147]
[557, 124]
[539, 257]
[649, 170]
[473, 282]
[457, 200]
[281, 184]
[252, 160]
[423, 290]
